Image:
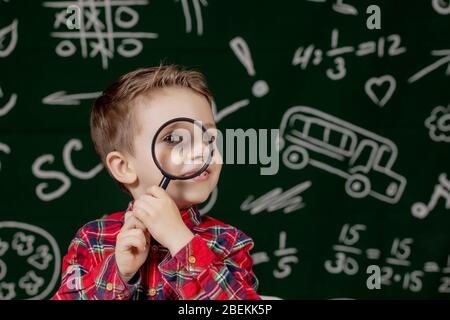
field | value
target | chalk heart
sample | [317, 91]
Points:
[379, 82]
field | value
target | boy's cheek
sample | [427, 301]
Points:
[216, 162]
[215, 177]
[216, 168]
[148, 175]
[144, 164]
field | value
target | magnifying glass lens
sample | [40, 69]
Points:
[182, 149]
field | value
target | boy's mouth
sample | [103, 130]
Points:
[202, 176]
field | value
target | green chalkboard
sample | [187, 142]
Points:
[363, 114]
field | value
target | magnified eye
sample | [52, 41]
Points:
[173, 139]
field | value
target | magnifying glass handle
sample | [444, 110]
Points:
[164, 183]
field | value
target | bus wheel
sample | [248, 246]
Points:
[295, 157]
[357, 186]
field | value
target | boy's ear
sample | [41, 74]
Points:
[120, 167]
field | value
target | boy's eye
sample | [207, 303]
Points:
[212, 139]
[173, 139]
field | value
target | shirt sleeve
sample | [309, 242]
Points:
[90, 276]
[203, 273]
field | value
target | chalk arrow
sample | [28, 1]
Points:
[64, 99]
[445, 54]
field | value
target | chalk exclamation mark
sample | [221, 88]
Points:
[240, 48]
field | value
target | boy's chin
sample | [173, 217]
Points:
[193, 198]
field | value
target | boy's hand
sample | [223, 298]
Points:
[161, 216]
[132, 246]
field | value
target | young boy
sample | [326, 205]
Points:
[160, 248]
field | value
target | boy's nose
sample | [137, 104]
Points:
[198, 155]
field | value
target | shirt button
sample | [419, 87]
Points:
[109, 286]
[192, 259]
[155, 249]
[152, 292]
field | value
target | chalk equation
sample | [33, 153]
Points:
[106, 28]
[349, 236]
[390, 46]
[286, 255]
[28, 246]
[396, 267]
[362, 158]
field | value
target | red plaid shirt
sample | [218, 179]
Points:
[215, 264]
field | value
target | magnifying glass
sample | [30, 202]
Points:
[182, 149]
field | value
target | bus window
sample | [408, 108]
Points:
[347, 143]
[335, 138]
[364, 154]
[316, 131]
[297, 124]
[384, 157]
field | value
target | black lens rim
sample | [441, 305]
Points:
[205, 165]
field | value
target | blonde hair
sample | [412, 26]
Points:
[113, 125]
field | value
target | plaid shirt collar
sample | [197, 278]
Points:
[190, 215]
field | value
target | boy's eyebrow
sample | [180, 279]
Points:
[207, 125]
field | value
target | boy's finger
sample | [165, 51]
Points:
[148, 237]
[142, 216]
[146, 206]
[131, 222]
[137, 224]
[149, 202]
[132, 232]
[136, 242]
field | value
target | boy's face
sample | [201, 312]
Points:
[151, 113]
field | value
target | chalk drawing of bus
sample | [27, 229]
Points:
[363, 158]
